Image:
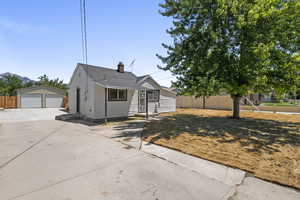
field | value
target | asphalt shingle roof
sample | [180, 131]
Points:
[111, 78]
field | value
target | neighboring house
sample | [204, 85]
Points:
[99, 93]
[40, 97]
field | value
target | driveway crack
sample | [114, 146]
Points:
[74, 177]
[30, 147]
[233, 193]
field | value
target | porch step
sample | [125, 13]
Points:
[144, 114]
[67, 117]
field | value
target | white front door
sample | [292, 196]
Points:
[142, 101]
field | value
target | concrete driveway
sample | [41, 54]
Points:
[17, 115]
[56, 160]
[63, 161]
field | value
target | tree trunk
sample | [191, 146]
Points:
[203, 101]
[236, 106]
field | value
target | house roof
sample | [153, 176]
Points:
[111, 78]
[171, 90]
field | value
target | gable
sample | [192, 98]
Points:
[74, 74]
[149, 83]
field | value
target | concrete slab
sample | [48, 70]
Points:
[137, 178]
[15, 138]
[256, 189]
[74, 163]
[69, 161]
[19, 115]
[222, 173]
[127, 133]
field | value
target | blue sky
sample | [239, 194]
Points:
[43, 37]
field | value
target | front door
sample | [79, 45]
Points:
[78, 100]
[142, 101]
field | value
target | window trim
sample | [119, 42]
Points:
[158, 96]
[117, 99]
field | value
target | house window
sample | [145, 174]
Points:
[117, 95]
[153, 95]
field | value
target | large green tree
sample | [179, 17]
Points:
[44, 80]
[9, 84]
[241, 45]
[203, 87]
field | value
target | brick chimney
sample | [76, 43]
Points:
[120, 67]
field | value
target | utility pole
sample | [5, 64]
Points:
[83, 31]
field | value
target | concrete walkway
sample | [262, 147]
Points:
[243, 187]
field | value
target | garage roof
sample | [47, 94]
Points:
[42, 87]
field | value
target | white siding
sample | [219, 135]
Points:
[167, 101]
[79, 80]
[152, 106]
[99, 102]
[122, 108]
[94, 105]
[134, 104]
[115, 108]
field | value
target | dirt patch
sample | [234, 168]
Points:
[265, 144]
[119, 121]
[127, 139]
[126, 146]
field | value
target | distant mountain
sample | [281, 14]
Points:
[23, 78]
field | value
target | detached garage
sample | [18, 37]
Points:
[40, 97]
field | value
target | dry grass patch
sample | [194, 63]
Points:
[265, 144]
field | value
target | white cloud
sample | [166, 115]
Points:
[21, 28]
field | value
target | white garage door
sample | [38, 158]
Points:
[53, 101]
[31, 101]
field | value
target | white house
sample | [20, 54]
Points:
[100, 93]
